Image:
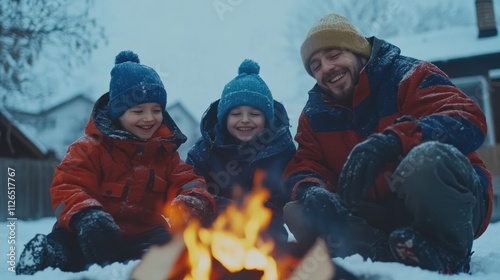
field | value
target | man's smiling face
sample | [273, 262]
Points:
[337, 72]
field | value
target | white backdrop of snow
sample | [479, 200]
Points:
[485, 264]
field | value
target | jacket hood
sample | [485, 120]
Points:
[382, 59]
[100, 124]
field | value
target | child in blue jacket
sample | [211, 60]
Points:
[244, 131]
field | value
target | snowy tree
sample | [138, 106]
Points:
[28, 27]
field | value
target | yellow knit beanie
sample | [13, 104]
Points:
[333, 31]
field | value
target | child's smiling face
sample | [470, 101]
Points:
[245, 122]
[142, 120]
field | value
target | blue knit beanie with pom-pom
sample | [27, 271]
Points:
[247, 89]
[133, 84]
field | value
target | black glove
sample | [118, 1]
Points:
[184, 208]
[327, 212]
[98, 235]
[364, 164]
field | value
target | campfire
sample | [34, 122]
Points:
[236, 246]
[235, 241]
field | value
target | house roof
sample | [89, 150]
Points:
[179, 106]
[65, 102]
[22, 135]
[447, 44]
[175, 106]
[53, 107]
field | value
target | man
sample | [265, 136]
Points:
[386, 165]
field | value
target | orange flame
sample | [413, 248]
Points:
[236, 239]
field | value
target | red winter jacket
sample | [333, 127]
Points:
[128, 178]
[391, 87]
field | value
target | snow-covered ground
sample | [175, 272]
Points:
[485, 260]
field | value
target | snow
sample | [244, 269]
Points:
[441, 45]
[485, 262]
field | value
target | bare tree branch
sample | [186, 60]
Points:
[28, 27]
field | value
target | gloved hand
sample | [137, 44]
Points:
[364, 164]
[184, 208]
[327, 212]
[98, 235]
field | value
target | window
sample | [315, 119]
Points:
[477, 88]
[495, 100]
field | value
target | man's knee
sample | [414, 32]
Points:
[430, 164]
[430, 154]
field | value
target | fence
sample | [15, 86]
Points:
[30, 179]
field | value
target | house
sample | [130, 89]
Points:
[61, 124]
[470, 56]
[16, 141]
[27, 169]
[187, 124]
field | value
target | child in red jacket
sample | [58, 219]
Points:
[111, 189]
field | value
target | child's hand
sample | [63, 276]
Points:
[184, 208]
[98, 235]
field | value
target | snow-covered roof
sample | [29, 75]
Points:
[47, 105]
[447, 44]
[24, 130]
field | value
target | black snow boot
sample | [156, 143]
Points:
[410, 247]
[34, 256]
[42, 252]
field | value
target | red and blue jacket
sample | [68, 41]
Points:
[409, 97]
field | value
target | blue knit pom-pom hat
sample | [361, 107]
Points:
[247, 89]
[132, 84]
